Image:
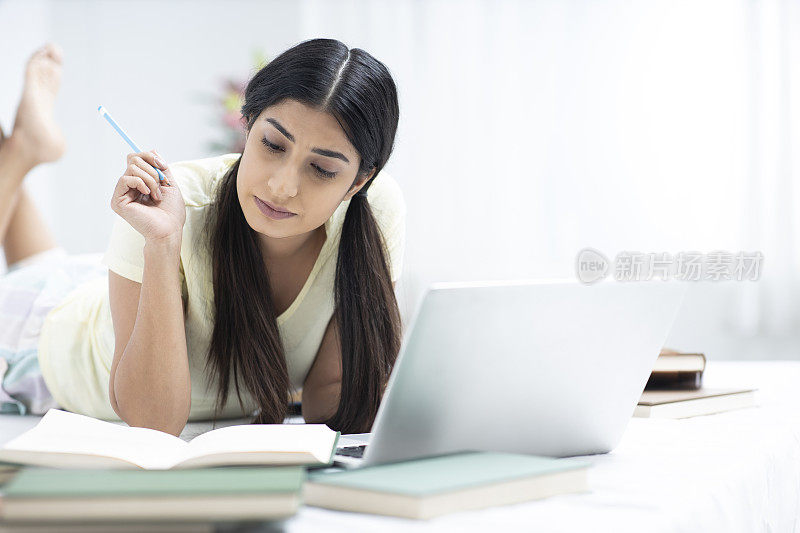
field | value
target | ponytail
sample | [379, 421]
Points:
[366, 311]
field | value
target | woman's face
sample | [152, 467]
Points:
[297, 159]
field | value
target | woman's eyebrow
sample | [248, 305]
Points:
[320, 151]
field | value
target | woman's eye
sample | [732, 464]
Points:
[272, 147]
[276, 148]
[323, 172]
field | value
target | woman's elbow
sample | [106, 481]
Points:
[170, 420]
[173, 426]
[319, 404]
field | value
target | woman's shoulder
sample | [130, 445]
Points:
[198, 178]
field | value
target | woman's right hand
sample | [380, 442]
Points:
[156, 211]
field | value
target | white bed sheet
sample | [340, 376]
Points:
[731, 472]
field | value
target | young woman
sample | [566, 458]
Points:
[238, 280]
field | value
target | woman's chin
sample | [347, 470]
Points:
[275, 229]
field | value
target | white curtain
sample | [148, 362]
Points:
[772, 211]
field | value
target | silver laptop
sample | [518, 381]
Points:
[541, 367]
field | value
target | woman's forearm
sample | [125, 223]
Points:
[152, 385]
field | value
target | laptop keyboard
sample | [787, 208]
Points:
[352, 451]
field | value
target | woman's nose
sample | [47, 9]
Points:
[284, 182]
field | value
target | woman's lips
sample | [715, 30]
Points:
[270, 211]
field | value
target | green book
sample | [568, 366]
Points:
[223, 493]
[433, 486]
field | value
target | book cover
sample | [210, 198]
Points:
[48, 494]
[39, 482]
[431, 486]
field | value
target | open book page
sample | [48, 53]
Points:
[65, 439]
[262, 444]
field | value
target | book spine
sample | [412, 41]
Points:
[674, 380]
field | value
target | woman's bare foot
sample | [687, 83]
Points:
[35, 131]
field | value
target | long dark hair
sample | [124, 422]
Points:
[359, 92]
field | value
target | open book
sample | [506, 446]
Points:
[69, 440]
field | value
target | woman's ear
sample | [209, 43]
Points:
[359, 184]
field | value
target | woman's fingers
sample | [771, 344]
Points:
[155, 160]
[125, 186]
[141, 176]
[141, 160]
[151, 182]
[169, 181]
[162, 165]
[140, 189]
[127, 183]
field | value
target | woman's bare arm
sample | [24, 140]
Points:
[150, 385]
[323, 384]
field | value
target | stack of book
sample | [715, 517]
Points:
[72, 469]
[82, 469]
[675, 389]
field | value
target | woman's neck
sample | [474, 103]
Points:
[288, 249]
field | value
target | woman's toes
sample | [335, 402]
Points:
[54, 51]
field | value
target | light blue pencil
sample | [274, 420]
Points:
[104, 114]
